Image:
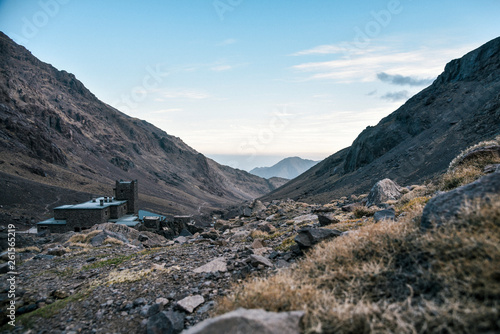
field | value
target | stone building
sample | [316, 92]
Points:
[120, 209]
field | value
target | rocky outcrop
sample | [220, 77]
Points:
[447, 207]
[308, 236]
[244, 321]
[383, 191]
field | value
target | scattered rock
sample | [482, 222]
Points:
[258, 244]
[189, 304]
[255, 260]
[177, 320]
[491, 168]
[305, 218]
[4, 268]
[159, 324]
[327, 218]
[58, 251]
[243, 321]
[162, 301]
[266, 227]
[387, 214]
[383, 191]
[217, 265]
[446, 207]
[310, 236]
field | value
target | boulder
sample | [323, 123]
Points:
[310, 236]
[159, 324]
[243, 321]
[327, 218]
[447, 206]
[255, 260]
[98, 240]
[387, 214]
[216, 265]
[485, 152]
[305, 218]
[190, 303]
[383, 191]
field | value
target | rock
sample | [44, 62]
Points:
[59, 294]
[4, 268]
[446, 207]
[143, 238]
[185, 233]
[350, 207]
[27, 309]
[246, 211]
[240, 236]
[162, 301]
[243, 321]
[258, 244]
[177, 320]
[384, 215]
[383, 191]
[266, 227]
[255, 260]
[189, 304]
[58, 251]
[257, 207]
[491, 168]
[159, 324]
[216, 265]
[139, 301]
[309, 236]
[328, 218]
[305, 218]
[181, 240]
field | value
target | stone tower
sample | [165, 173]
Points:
[129, 191]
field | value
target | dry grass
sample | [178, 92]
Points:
[83, 238]
[113, 241]
[362, 211]
[462, 171]
[30, 249]
[392, 278]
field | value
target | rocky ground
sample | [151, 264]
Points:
[113, 279]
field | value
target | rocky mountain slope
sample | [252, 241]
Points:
[56, 133]
[418, 140]
[288, 168]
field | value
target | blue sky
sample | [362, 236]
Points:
[251, 82]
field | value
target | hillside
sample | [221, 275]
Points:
[288, 168]
[55, 133]
[418, 140]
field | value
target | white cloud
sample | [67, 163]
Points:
[362, 65]
[221, 68]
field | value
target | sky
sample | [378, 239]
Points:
[251, 82]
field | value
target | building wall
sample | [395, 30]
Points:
[117, 211]
[52, 228]
[81, 219]
[128, 191]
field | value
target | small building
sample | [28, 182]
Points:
[120, 209]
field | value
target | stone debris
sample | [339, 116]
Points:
[189, 304]
[217, 265]
[243, 321]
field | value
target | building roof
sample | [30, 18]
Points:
[144, 213]
[52, 221]
[92, 205]
[128, 220]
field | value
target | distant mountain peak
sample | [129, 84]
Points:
[288, 168]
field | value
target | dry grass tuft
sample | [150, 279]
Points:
[83, 238]
[462, 171]
[30, 249]
[393, 278]
[362, 211]
[113, 241]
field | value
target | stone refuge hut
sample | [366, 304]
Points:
[120, 209]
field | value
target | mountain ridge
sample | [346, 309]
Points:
[55, 132]
[419, 139]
